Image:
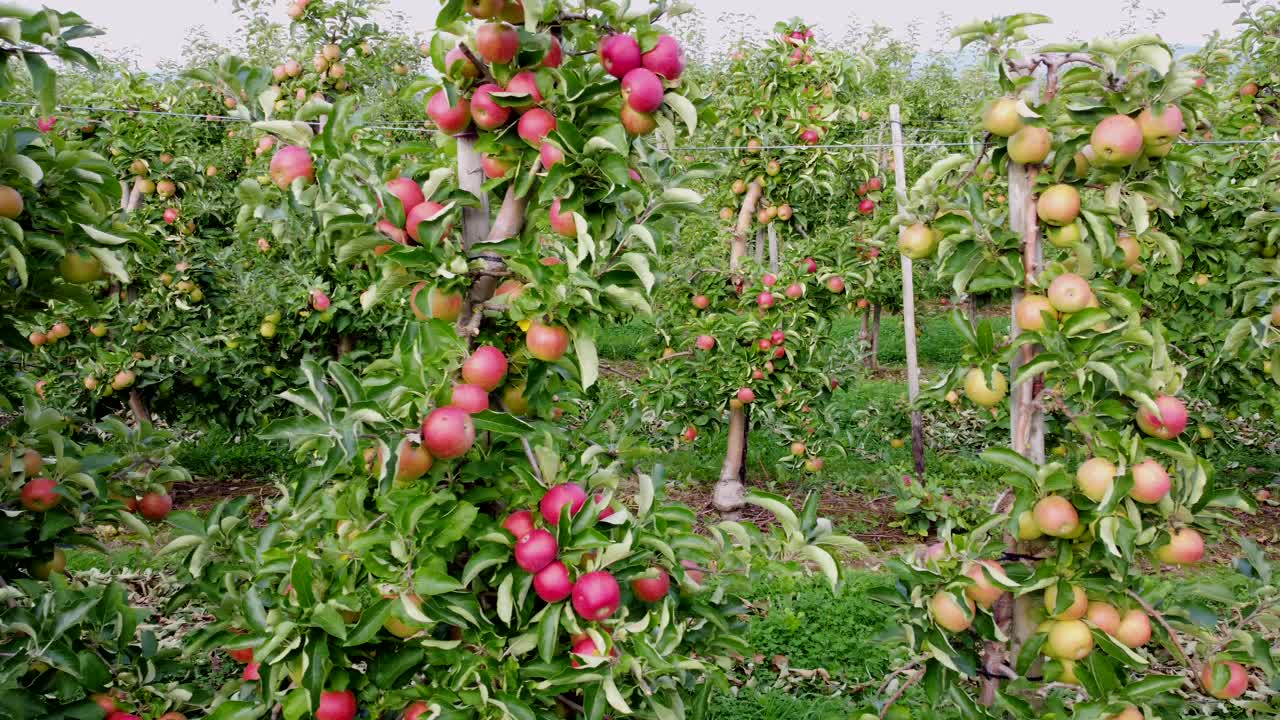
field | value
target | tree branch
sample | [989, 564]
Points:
[1173, 636]
[898, 695]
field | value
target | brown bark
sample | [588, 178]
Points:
[137, 405]
[738, 245]
[731, 488]
[864, 337]
[508, 223]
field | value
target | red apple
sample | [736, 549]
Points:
[486, 368]
[458, 65]
[468, 397]
[546, 342]
[40, 495]
[665, 58]
[448, 433]
[835, 284]
[557, 497]
[290, 163]
[596, 596]
[551, 155]
[1169, 423]
[636, 122]
[536, 550]
[407, 191]
[485, 110]
[535, 125]
[171, 215]
[422, 212]
[764, 300]
[335, 705]
[519, 523]
[619, 54]
[705, 342]
[746, 396]
[497, 42]
[652, 586]
[562, 223]
[155, 506]
[642, 90]
[552, 582]
[554, 55]
[451, 119]
[867, 206]
[809, 265]
[527, 83]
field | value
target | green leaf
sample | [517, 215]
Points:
[685, 109]
[1007, 458]
[584, 346]
[43, 81]
[237, 710]
[549, 632]
[825, 563]
[329, 619]
[778, 506]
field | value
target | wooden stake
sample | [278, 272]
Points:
[773, 248]
[908, 299]
[1026, 421]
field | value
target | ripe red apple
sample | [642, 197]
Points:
[123, 716]
[485, 110]
[535, 125]
[171, 215]
[702, 302]
[552, 582]
[519, 523]
[795, 291]
[155, 506]
[1058, 205]
[636, 122]
[642, 90]
[250, 673]
[40, 494]
[1249, 89]
[948, 614]
[866, 206]
[486, 367]
[1069, 293]
[587, 647]
[1186, 546]
[596, 596]
[550, 154]
[536, 550]
[746, 396]
[554, 500]
[562, 223]
[448, 433]
[705, 342]
[809, 265]
[290, 163]
[451, 119]
[1056, 516]
[417, 711]
[1150, 482]
[471, 398]
[652, 586]
[407, 191]
[836, 284]
[1237, 678]
[527, 83]
[809, 136]
[554, 55]
[1095, 477]
[765, 344]
[619, 54]
[690, 434]
[665, 58]
[320, 301]
[123, 379]
[497, 42]
[1116, 141]
[1169, 423]
[764, 300]
[336, 705]
[423, 212]
[104, 701]
[414, 461]
[1134, 629]
[243, 656]
[457, 65]
[546, 342]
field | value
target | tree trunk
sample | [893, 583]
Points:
[773, 248]
[137, 405]
[875, 337]
[908, 301]
[864, 337]
[1027, 423]
[738, 245]
[731, 487]
[760, 246]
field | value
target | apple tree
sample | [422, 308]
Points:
[750, 342]
[449, 549]
[1045, 607]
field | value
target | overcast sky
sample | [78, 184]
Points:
[154, 30]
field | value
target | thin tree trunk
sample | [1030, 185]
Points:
[875, 337]
[864, 337]
[738, 245]
[731, 487]
[773, 248]
[760, 246]
[137, 405]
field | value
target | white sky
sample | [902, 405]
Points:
[154, 30]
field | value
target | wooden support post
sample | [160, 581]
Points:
[874, 359]
[129, 202]
[908, 299]
[1026, 420]
[760, 246]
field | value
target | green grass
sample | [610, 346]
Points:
[220, 454]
